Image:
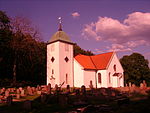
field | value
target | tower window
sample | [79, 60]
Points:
[66, 78]
[66, 59]
[52, 59]
[52, 71]
[99, 78]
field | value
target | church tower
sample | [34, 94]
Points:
[60, 59]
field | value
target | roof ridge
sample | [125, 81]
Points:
[93, 62]
[103, 53]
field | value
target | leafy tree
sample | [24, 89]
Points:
[135, 68]
[78, 50]
[23, 56]
[5, 39]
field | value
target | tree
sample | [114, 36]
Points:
[5, 39]
[23, 56]
[136, 68]
[78, 50]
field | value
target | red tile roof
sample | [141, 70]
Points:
[96, 62]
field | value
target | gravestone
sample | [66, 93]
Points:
[22, 92]
[20, 88]
[29, 90]
[49, 88]
[130, 84]
[141, 86]
[7, 93]
[83, 90]
[145, 84]
[56, 89]
[33, 90]
[67, 89]
[38, 92]
[18, 91]
[9, 100]
[77, 92]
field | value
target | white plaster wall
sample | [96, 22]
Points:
[78, 74]
[119, 69]
[66, 67]
[60, 66]
[103, 79]
[53, 65]
[89, 75]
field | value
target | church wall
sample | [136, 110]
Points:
[103, 79]
[53, 51]
[114, 81]
[78, 74]
[66, 68]
[89, 75]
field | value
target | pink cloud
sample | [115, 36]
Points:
[118, 48]
[75, 14]
[133, 31]
[88, 32]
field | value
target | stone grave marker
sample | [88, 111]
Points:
[18, 91]
[68, 89]
[7, 93]
[29, 90]
[22, 92]
[49, 89]
[9, 100]
[83, 90]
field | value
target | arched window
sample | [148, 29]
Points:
[66, 78]
[109, 78]
[52, 71]
[99, 78]
[115, 67]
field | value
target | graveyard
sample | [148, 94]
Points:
[45, 99]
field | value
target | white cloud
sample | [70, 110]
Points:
[134, 31]
[118, 48]
[75, 14]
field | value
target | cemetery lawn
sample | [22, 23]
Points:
[135, 106]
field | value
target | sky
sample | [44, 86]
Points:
[97, 25]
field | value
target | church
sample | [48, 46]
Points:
[102, 70]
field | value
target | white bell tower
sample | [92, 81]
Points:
[60, 59]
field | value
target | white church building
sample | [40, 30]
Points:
[102, 70]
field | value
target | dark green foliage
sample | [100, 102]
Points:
[78, 50]
[135, 68]
[22, 50]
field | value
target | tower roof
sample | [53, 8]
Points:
[60, 36]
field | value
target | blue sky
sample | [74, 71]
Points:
[96, 25]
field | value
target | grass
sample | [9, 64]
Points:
[135, 106]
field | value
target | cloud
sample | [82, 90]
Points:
[98, 51]
[118, 48]
[89, 32]
[133, 31]
[75, 14]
